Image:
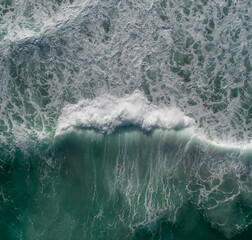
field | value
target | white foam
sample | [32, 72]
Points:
[44, 19]
[107, 112]
[229, 145]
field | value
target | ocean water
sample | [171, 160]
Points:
[126, 119]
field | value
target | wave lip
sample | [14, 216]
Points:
[107, 112]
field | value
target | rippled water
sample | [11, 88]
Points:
[125, 119]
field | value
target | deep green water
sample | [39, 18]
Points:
[125, 119]
[126, 185]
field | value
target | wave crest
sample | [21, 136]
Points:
[107, 112]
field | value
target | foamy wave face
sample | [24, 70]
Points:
[107, 112]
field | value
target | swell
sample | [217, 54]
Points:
[107, 112]
[155, 176]
[129, 184]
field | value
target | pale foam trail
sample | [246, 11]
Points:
[229, 145]
[107, 112]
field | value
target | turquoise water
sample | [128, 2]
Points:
[125, 119]
[127, 185]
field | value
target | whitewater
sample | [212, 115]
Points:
[125, 119]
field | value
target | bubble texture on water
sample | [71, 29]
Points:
[195, 55]
[61, 56]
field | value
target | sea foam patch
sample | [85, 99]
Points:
[107, 112]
